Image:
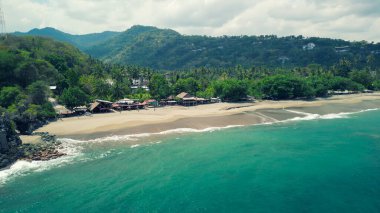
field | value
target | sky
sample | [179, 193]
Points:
[346, 19]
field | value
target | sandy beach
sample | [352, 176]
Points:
[173, 117]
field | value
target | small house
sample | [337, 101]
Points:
[169, 101]
[80, 110]
[191, 101]
[171, 98]
[183, 95]
[100, 106]
[309, 46]
[202, 101]
[151, 103]
[186, 99]
[215, 100]
[127, 104]
[342, 49]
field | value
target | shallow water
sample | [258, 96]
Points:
[305, 165]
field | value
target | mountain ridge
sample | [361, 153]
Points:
[80, 41]
[166, 49]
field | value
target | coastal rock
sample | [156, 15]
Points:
[9, 142]
[41, 152]
[31, 126]
[4, 147]
[46, 137]
[46, 150]
[11, 148]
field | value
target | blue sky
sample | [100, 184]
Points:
[346, 19]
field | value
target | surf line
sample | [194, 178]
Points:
[300, 113]
[265, 117]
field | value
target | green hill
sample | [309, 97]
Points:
[167, 49]
[29, 65]
[80, 41]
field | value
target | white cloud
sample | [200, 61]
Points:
[347, 19]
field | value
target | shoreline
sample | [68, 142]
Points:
[208, 118]
[199, 117]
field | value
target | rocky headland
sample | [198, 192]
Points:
[47, 149]
[12, 148]
[10, 142]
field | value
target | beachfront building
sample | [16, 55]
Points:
[215, 100]
[191, 101]
[151, 103]
[338, 92]
[127, 104]
[183, 95]
[169, 101]
[188, 100]
[202, 100]
[100, 106]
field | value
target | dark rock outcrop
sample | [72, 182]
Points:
[46, 150]
[11, 148]
[9, 142]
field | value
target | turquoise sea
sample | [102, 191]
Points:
[312, 164]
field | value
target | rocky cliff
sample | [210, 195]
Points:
[9, 142]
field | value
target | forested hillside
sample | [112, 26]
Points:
[165, 49]
[29, 65]
[80, 41]
[168, 50]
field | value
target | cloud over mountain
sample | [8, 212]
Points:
[347, 19]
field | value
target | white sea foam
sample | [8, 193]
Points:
[311, 116]
[135, 145]
[135, 137]
[190, 130]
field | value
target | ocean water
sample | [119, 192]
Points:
[312, 163]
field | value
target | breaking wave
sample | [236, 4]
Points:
[311, 116]
[135, 137]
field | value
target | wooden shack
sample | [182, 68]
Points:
[215, 100]
[169, 101]
[100, 106]
[188, 100]
[151, 103]
[202, 101]
[191, 101]
[127, 104]
[183, 95]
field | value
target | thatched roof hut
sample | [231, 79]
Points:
[100, 106]
[183, 95]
